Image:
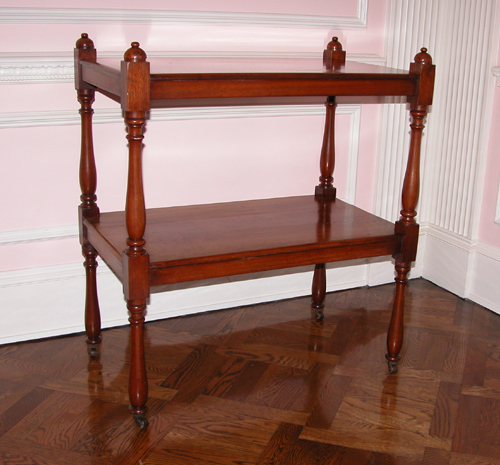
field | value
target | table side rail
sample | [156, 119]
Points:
[227, 88]
[280, 260]
[103, 77]
[106, 251]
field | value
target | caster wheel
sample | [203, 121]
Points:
[141, 421]
[319, 314]
[393, 367]
[93, 351]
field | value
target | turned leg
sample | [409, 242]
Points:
[319, 290]
[395, 333]
[135, 258]
[88, 207]
[138, 383]
[92, 313]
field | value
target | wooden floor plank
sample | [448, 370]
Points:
[267, 384]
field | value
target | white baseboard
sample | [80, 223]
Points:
[49, 301]
[469, 269]
[484, 285]
[446, 259]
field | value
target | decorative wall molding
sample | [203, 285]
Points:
[35, 68]
[114, 115]
[496, 72]
[38, 234]
[157, 17]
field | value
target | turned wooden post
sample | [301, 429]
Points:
[323, 229]
[324, 191]
[325, 187]
[333, 58]
[407, 226]
[88, 183]
[136, 103]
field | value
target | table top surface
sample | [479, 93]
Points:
[163, 66]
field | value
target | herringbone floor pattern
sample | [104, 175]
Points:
[267, 384]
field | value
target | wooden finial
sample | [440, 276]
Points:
[84, 43]
[333, 56]
[135, 53]
[423, 57]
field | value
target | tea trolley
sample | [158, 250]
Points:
[151, 248]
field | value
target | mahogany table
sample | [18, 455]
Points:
[150, 248]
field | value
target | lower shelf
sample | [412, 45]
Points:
[207, 241]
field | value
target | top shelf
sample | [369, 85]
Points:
[164, 80]
[181, 78]
[166, 67]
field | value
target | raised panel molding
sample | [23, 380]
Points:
[43, 67]
[154, 17]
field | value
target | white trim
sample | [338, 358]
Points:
[60, 291]
[497, 212]
[38, 234]
[353, 155]
[156, 17]
[40, 275]
[496, 72]
[483, 286]
[447, 259]
[465, 267]
[114, 115]
[45, 67]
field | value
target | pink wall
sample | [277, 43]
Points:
[489, 231]
[237, 157]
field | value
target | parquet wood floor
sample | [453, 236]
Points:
[267, 384]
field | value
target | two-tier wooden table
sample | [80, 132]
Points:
[149, 248]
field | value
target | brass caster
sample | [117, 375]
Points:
[141, 421]
[319, 314]
[393, 367]
[93, 351]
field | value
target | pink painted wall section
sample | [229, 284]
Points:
[489, 230]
